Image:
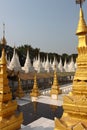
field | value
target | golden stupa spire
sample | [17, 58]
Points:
[35, 91]
[55, 87]
[3, 58]
[35, 82]
[9, 119]
[55, 81]
[3, 42]
[75, 103]
[81, 28]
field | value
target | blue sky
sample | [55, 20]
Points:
[46, 24]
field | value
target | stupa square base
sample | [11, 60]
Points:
[54, 96]
[34, 99]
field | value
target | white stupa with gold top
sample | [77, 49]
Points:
[35, 91]
[9, 118]
[55, 87]
[75, 104]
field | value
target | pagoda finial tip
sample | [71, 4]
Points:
[80, 2]
[3, 29]
[3, 41]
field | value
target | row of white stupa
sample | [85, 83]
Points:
[39, 66]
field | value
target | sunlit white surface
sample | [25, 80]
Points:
[40, 124]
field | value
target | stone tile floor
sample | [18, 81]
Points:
[40, 124]
[40, 115]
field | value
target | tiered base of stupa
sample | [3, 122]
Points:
[33, 98]
[54, 96]
[75, 114]
[10, 118]
[54, 92]
[20, 94]
[11, 123]
[34, 94]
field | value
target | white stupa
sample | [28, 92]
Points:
[65, 66]
[35, 62]
[75, 66]
[55, 63]
[51, 63]
[38, 65]
[43, 63]
[14, 64]
[48, 67]
[28, 66]
[60, 66]
[71, 66]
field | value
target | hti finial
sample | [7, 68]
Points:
[3, 42]
[80, 2]
[4, 29]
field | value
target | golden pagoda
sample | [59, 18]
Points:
[19, 92]
[55, 87]
[35, 91]
[75, 103]
[9, 118]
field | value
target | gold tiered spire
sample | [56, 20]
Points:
[9, 120]
[35, 91]
[55, 87]
[75, 104]
[80, 78]
[55, 81]
[81, 28]
[19, 92]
